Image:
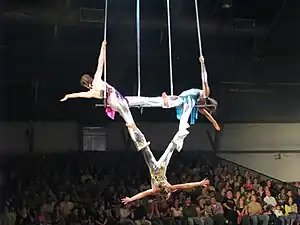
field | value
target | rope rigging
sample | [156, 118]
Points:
[198, 28]
[170, 47]
[138, 46]
[104, 38]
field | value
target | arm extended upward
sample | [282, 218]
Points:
[101, 61]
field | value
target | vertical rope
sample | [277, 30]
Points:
[138, 45]
[104, 38]
[170, 46]
[198, 27]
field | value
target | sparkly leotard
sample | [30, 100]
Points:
[158, 176]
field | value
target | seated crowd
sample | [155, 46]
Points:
[86, 188]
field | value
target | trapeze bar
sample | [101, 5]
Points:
[196, 106]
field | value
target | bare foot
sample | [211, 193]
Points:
[187, 125]
[132, 125]
[165, 99]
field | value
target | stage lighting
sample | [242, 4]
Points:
[226, 4]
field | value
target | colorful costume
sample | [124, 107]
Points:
[158, 168]
[184, 104]
[117, 103]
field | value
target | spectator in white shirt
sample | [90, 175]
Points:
[270, 200]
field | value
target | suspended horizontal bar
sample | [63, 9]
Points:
[197, 106]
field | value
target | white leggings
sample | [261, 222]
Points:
[152, 163]
[173, 102]
[187, 108]
[120, 105]
[150, 160]
[148, 102]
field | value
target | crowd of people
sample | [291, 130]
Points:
[86, 188]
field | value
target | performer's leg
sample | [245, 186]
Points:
[121, 106]
[144, 102]
[138, 137]
[187, 110]
[165, 158]
[149, 158]
[171, 101]
[175, 144]
[147, 102]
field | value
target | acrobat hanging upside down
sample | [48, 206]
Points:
[159, 183]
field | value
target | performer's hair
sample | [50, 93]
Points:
[212, 105]
[164, 192]
[86, 81]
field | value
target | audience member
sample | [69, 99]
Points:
[66, 206]
[126, 215]
[190, 212]
[291, 211]
[270, 200]
[140, 214]
[165, 212]
[255, 212]
[83, 217]
[203, 212]
[230, 208]
[242, 212]
[177, 213]
[279, 214]
[153, 213]
[217, 212]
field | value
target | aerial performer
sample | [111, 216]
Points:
[159, 183]
[187, 104]
[115, 101]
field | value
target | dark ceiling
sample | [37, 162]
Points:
[51, 31]
[253, 9]
[45, 41]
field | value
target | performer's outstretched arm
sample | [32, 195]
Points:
[138, 196]
[205, 86]
[85, 94]
[210, 118]
[203, 183]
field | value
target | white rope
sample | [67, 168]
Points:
[104, 38]
[138, 45]
[198, 27]
[170, 46]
